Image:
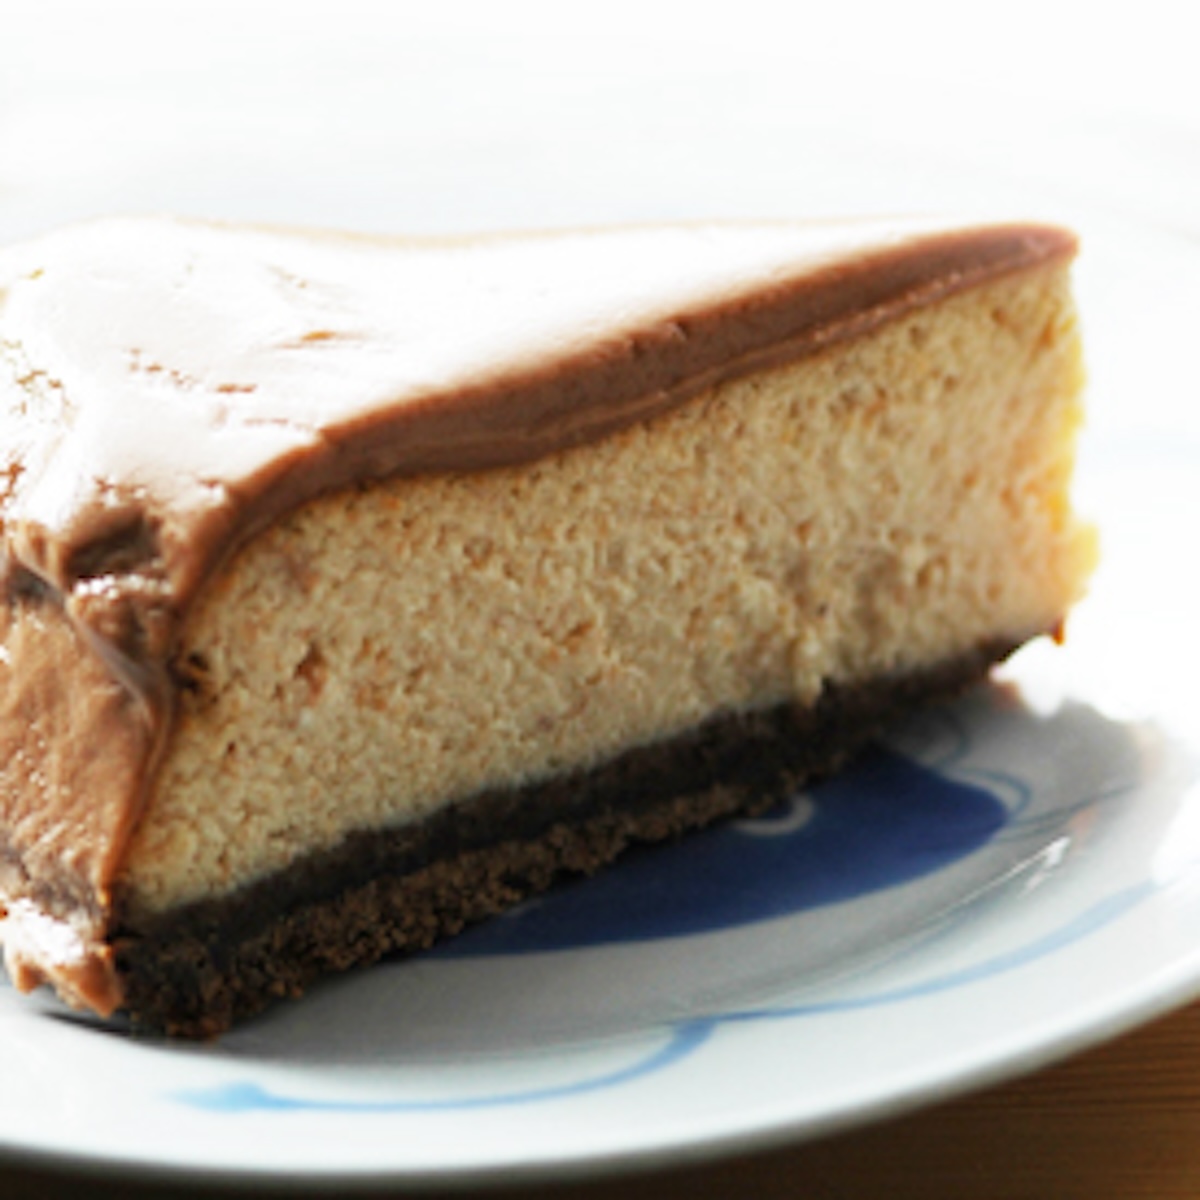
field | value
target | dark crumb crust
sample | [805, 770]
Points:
[197, 970]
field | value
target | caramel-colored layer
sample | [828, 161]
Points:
[167, 389]
[870, 509]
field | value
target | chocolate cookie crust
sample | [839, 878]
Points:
[199, 970]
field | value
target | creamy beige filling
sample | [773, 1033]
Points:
[382, 652]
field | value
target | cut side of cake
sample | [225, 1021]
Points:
[357, 588]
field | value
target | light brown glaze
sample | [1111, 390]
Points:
[167, 388]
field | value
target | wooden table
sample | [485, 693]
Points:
[1117, 1122]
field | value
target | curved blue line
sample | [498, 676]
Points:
[688, 1036]
[1086, 923]
[1002, 780]
[250, 1097]
[1024, 826]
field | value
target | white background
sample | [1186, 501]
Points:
[459, 116]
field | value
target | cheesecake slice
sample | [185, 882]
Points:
[357, 588]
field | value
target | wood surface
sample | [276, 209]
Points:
[1113, 1123]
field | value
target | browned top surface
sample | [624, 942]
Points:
[167, 387]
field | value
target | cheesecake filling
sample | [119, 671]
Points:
[204, 426]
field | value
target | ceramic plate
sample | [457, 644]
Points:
[1001, 881]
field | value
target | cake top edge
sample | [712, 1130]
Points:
[177, 382]
[1053, 235]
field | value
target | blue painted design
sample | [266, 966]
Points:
[886, 822]
[1022, 827]
[250, 1097]
[1086, 923]
[688, 1036]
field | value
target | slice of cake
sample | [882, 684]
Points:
[355, 589]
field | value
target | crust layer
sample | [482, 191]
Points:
[196, 971]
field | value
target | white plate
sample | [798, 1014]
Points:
[1005, 880]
